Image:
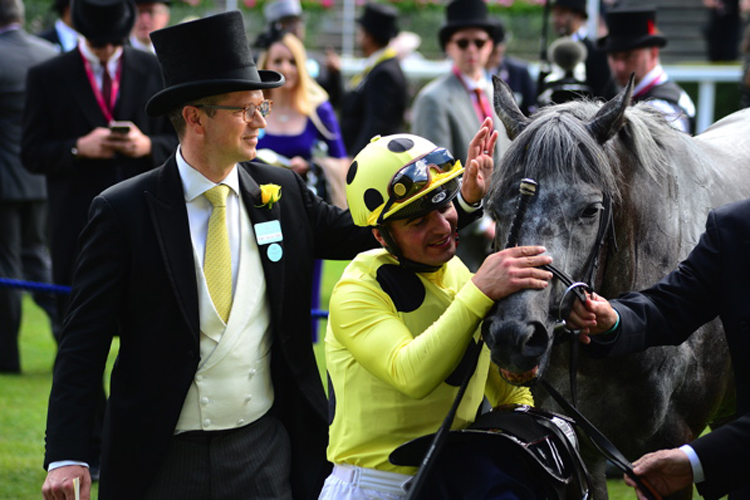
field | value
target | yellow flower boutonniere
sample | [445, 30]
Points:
[269, 194]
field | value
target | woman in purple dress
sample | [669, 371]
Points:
[302, 133]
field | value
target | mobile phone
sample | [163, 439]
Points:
[119, 127]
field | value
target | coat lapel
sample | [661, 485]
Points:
[130, 95]
[79, 88]
[169, 216]
[272, 260]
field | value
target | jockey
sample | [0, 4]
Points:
[404, 317]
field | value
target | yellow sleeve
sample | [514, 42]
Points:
[364, 320]
[499, 392]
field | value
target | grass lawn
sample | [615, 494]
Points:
[23, 403]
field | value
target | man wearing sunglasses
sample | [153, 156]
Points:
[404, 317]
[449, 110]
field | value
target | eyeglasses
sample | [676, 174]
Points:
[416, 177]
[463, 43]
[248, 112]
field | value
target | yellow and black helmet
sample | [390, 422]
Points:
[393, 175]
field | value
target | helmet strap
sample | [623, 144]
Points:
[392, 247]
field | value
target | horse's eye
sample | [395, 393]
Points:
[592, 210]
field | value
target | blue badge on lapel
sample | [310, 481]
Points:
[269, 233]
[274, 252]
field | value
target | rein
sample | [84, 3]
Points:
[578, 290]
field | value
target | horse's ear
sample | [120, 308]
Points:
[611, 117]
[507, 109]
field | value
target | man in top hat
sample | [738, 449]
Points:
[152, 16]
[632, 47]
[62, 34]
[70, 103]
[203, 267]
[286, 15]
[377, 99]
[569, 19]
[448, 110]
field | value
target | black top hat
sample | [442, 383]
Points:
[59, 6]
[380, 21]
[206, 57]
[141, 2]
[462, 14]
[104, 21]
[631, 29]
[574, 5]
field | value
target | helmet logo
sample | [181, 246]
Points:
[439, 197]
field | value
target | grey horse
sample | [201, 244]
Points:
[622, 198]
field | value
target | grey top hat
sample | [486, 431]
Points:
[462, 14]
[104, 21]
[206, 57]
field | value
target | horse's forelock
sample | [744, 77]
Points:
[557, 144]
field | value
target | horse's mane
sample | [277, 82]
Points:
[557, 143]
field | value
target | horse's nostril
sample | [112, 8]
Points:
[536, 342]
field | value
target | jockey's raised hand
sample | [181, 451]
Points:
[479, 163]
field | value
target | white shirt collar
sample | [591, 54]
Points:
[194, 184]
[474, 84]
[96, 65]
[137, 44]
[654, 77]
[67, 35]
[581, 34]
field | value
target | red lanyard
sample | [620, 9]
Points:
[106, 111]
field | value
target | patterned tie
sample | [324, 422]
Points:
[217, 264]
[107, 88]
[481, 106]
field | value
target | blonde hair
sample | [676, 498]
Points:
[307, 95]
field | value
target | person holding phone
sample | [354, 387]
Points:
[85, 125]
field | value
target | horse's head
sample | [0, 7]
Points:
[566, 150]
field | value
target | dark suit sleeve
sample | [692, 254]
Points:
[725, 457]
[336, 235]
[86, 337]
[670, 311]
[43, 151]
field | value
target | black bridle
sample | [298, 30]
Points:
[577, 290]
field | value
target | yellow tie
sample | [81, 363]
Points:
[217, 264]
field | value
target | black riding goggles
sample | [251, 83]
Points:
[416, 177]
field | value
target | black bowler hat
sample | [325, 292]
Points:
[210, 56]
[631, 29]
[462, 14]
[104, 21]
[380, 21]
[574, 5]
